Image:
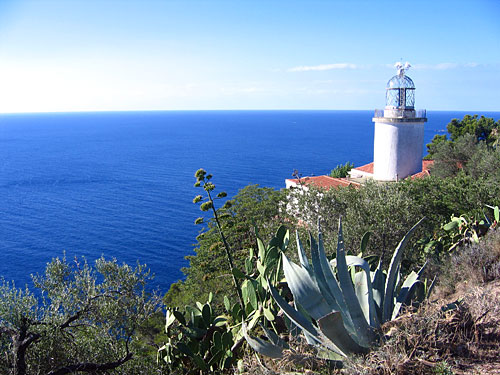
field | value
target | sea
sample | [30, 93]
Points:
[120, 184]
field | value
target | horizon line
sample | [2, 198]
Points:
[222, 110]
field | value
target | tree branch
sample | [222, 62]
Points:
[91, 367]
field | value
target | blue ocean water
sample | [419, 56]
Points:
[120, 184]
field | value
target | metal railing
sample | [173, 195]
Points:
[401, 113]
[421, 113]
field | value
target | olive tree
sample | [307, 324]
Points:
[80, 319]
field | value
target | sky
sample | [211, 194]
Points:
[96, 55]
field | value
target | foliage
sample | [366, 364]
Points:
[341, 170]
[198, 341]
[459, 231]
[202, 341]
[340, 309]
[261, 273]
[82, 318]
[252, 206]
[468, 157]
[387, 210]
[482, 129]
[471, 150]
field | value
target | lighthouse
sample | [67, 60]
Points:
[399, 130]
[398, 143]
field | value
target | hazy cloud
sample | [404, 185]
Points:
[323, 67]
[445, 66]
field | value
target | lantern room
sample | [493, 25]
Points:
[400, 90]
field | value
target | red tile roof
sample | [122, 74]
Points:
[328, 182]
[368, 168]
[426, 164]
[420, 174]
[325, 182]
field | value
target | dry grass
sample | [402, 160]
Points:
[433, 341]
[301, 358]
[472, 265]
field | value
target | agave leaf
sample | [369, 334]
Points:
[390, 283]
[361, 290]
[305, 291]
[421, 270]
[316, 263]
[364, 291]
[332, 327]
[404, 295]
[274, 338]
[304, 262]
[378, 285]
[295, 316]
[327, 282]
[372, 260]
[331, 284]
[364, 333]
[266, 348]
[431, 287]
[310, 340]
[367, 304]
[475, 237]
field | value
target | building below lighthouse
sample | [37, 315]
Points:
[398, 140]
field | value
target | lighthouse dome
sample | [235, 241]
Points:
[400, 82]
[400, 92]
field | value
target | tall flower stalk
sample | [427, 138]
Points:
[203, 180]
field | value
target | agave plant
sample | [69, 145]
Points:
[340, 309]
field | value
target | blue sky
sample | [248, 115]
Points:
[71, 55]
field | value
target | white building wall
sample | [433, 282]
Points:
[397, 149]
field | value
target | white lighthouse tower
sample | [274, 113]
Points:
[399, 131]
